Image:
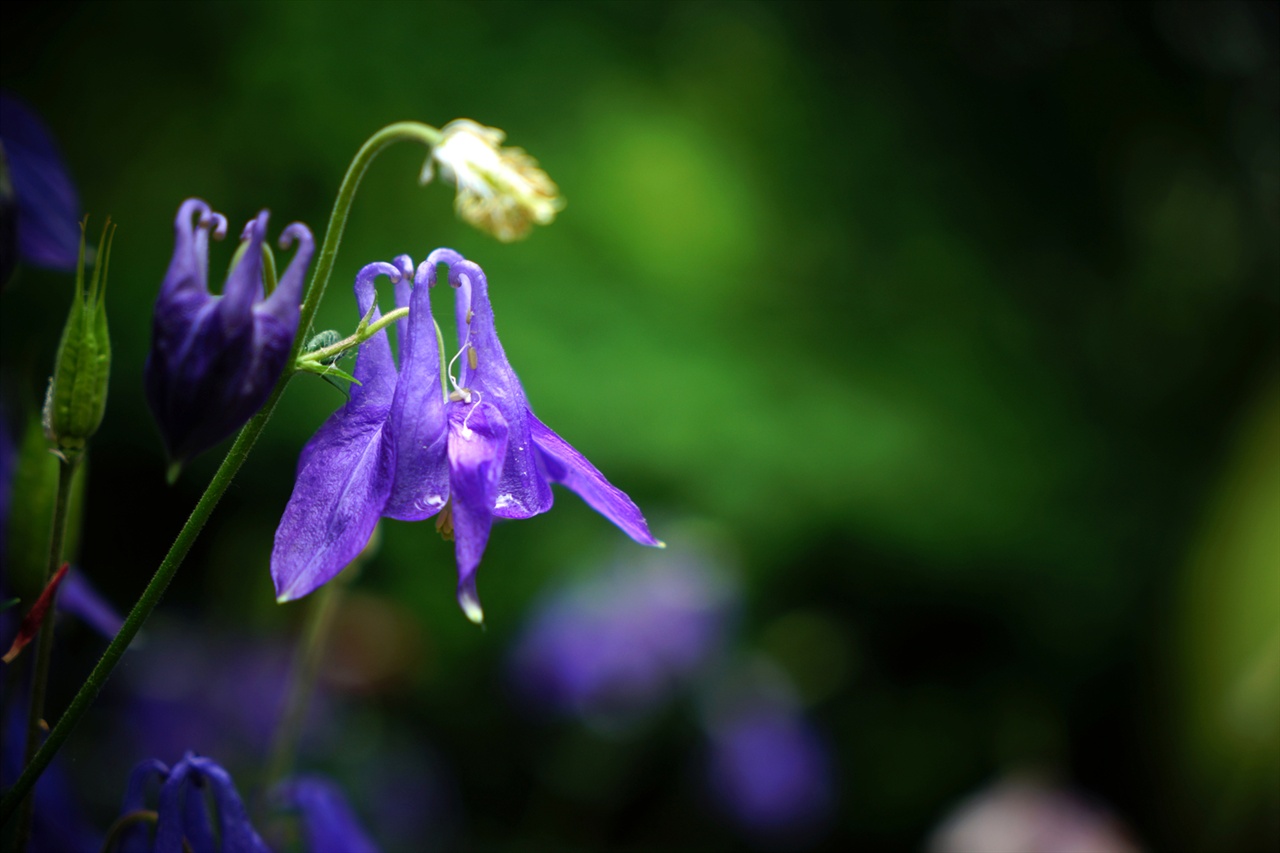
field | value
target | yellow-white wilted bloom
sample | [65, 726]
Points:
[500, 190]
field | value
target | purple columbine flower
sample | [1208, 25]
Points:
[183, 820]
[182, 813]
[215, 359]
[39, 222]
[404, 447]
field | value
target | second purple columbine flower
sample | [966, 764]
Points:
[406, 447]
[214, 359]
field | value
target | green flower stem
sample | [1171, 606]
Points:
[389, 135]
[314, 360]
[306, 666]
[44, 639]
[226, 472]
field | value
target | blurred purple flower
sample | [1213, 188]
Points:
[329, 824]
[1023, 815]
[215, 359]
[768, 768]
[622, 642]
[183, 821]
[42, 225]
[403, 447]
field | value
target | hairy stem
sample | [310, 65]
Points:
[44, 640]
[389, 135]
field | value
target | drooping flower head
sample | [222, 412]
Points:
[184, 819]
[214, 359]
[407, 447]
[500, 190]
[182, 815]
[39, 206]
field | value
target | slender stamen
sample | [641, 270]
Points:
[479, 400]
[471, 360]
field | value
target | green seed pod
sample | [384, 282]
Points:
[77, 396]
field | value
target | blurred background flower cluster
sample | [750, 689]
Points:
[939, 341]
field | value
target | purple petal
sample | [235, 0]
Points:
[285, 302]
[344, 474]
[417, 426]
[327, 819]
[404, 288]
[522, 492]
[79, 598]
[170, 827]
[48, 206]
[570, 468]
[197, 831]
[477, 444]
[185, 290]
[138, 836]
[336, 502]
[135, 796]
[244, 284]
[237, 834]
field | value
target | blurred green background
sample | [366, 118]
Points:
[957, 323]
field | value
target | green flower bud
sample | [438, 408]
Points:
[77, 396]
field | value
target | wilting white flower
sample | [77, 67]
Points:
[500, 190]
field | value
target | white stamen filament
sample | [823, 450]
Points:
[479, 399]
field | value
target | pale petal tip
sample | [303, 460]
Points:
[290, 594]
[658, 543]
[471, 606]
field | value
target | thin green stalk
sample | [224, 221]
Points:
[306, 666]
[236, 456]
[389, 135]
[362, 334]
[44, 639]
